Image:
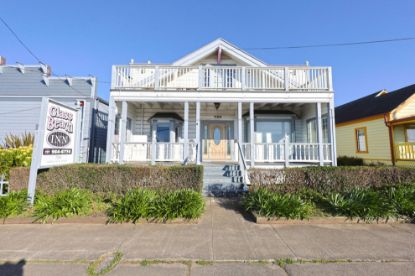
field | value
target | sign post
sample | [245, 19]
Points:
[56, 140]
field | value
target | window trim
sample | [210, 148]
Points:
[357, 139]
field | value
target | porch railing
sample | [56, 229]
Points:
[142, 152]
[183, 78]
[297, 152]
[264, 152]
[405, 151]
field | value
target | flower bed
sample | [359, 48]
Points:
[396, 203]
[14, 157]
[138, 205]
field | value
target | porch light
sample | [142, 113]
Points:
[217, 105]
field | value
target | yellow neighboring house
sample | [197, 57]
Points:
[379, 127]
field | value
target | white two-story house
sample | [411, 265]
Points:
[221, 104]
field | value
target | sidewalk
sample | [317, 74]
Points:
[223, 241]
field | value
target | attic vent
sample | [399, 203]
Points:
[381, 93]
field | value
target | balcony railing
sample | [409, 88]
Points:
[206, 78]
[405, 151]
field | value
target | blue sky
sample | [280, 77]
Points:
[86, 37]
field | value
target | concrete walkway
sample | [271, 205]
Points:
[225, 242]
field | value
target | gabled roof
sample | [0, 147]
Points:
[377, 103]
[213, 46]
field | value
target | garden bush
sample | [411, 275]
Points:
[14, 157]
[65, 203]
[272, 204]
[403, 199]
[104, 178]
[15, 203]
[156, 205]
[330, 179]
[136, 204]
[363, 204]
[183, 203]
[349, 161]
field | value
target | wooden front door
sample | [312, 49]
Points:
[217, 147]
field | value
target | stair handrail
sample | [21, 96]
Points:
[244, 168]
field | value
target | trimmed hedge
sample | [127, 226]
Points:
[118, 179]
[329, 179]
[15, 157]
[349, 161]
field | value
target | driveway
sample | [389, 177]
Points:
[225, 242]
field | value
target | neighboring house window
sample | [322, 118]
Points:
[361, 140]
[410, 134]
[312, 130]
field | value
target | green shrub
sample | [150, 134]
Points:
[9, 158]
[14, 203]
[62, 204]
[136, 204]
[326, 180]
[17, 141]
[183, 203]
[366, 205]
[156, 205]
[349, 161]
[104, 178]
[272, 204]
[403, 199]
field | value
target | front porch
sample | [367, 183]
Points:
[275, 134]
[404, 142]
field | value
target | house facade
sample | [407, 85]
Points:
[221, 104]
[380, 128]
[21, 90]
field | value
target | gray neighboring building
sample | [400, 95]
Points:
[21, 90]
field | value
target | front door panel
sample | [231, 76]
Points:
[216, 146]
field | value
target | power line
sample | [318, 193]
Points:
[20, 41]
[31, 52]
[342, 44]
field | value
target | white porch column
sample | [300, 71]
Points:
[123, 130]
[252, 132]
[240, 122]
[320, 134]
[198, 148]
[240, 138]
[332, 125]
[153, 141]
[186, 132]
[110, 130]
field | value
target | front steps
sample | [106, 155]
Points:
[222, 180]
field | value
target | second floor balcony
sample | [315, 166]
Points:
[143, 77]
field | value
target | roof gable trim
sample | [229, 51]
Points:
[211, 47]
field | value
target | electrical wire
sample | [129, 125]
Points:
[342, 44]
